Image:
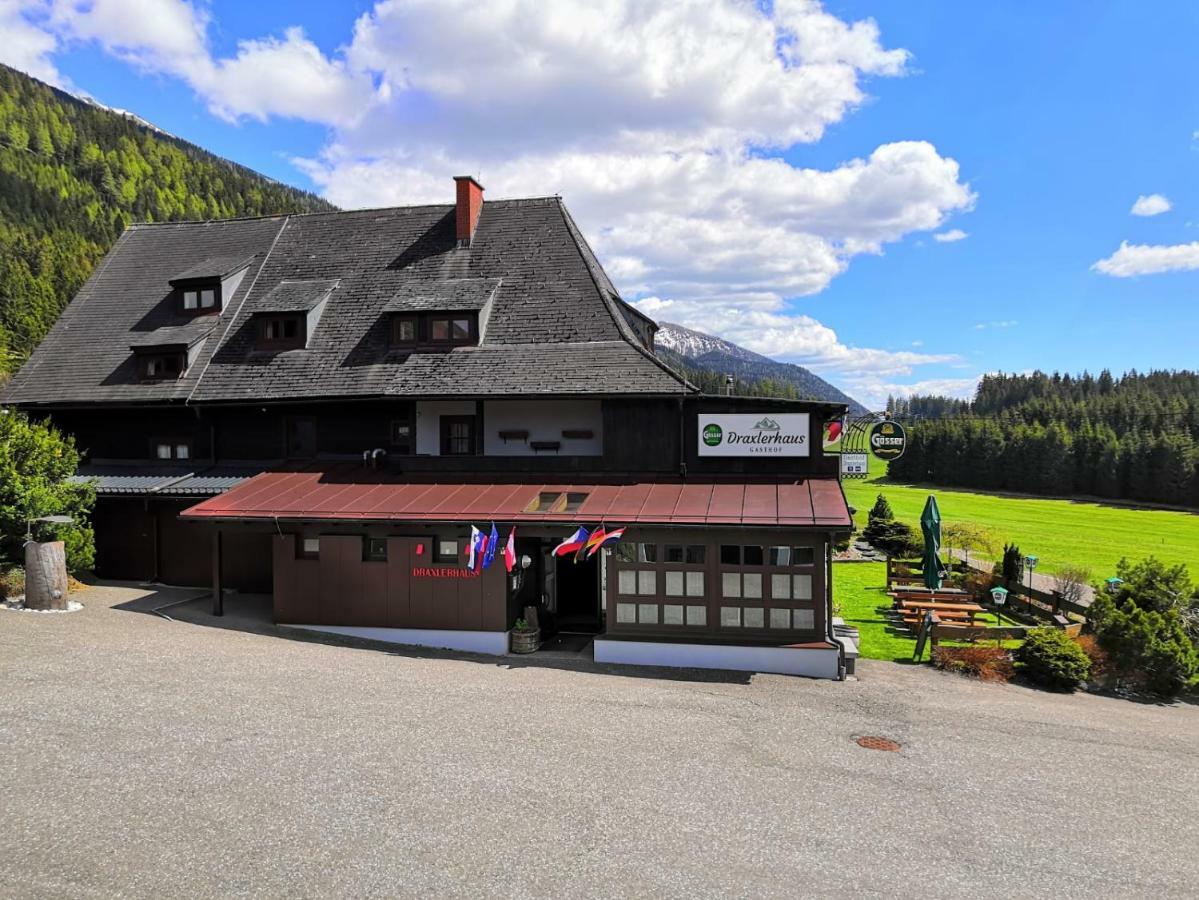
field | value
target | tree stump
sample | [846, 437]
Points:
[45, 575]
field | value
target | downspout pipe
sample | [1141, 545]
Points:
[831, 632]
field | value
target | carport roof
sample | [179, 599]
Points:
[354, 494]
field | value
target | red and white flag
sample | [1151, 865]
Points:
[510, 550]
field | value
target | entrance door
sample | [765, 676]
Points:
[578, 594]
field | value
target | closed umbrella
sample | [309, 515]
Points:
[930, 524]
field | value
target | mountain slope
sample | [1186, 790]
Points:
[707, 360]
[73, 174]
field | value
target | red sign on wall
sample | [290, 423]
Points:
[442, 572]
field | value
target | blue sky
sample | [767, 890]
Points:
[778, 175]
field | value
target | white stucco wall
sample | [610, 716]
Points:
[428, 422]
[544, 420]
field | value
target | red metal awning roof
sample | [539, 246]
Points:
[353, 494]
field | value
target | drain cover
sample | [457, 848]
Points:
[873, 742]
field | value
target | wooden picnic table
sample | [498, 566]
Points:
[937, 606]
[923, 588]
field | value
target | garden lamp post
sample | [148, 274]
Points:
[1113, 585]
[1030, 563]
[999, 597]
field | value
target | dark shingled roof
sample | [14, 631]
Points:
[292, 296]
[214, 267]
[442, 296]
[175, 480]
[175, 335]
[554, 326]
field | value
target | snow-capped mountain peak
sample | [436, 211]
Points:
[693, 344]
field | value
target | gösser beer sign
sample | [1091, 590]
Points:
[888, 440]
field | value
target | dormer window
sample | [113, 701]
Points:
[451, 329]
[201, 289]
[161, 366]
[280, 332]
[404, 330]
[201, 299]
[434, 331]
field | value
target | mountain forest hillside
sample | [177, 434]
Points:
[72, 175]
[707, 360]
[1130, 438]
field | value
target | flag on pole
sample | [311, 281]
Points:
[591, 544]
[510, 550]
[610, 537]
[477, 543]
[572, 543]
[493, 541]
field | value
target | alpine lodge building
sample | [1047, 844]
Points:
[340, 409]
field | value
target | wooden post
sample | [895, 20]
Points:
[45, 575]
[218, 592]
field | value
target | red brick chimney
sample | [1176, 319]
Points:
[470, 204]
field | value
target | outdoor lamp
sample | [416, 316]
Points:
[1031, 561]
[1113, 584]
[999, 597]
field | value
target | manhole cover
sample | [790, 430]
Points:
[873, 742]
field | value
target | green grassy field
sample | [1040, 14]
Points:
[1059, 532]
[859, 591]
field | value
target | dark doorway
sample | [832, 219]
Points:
[301, 437]
[578, 594]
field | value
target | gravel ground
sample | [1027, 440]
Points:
[146, 758]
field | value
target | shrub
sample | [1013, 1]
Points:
[981, 661]
[1100, 665]
[1051, 658]
[894, 538]
[1146, 648]
[1012, 566]
[881, 511]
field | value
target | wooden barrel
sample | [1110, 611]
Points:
[526, 641]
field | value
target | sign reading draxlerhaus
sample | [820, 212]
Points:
[784, 434]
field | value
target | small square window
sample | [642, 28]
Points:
[695, 584]
[163, 451]
[730, 584]
[780, 587]
[447, 552]
[207, 298]
[804, 619]
[461, 329]
[751, 585]
[439, 329]
[574, 499]
[780, 618]
[672, 553]
[626, 613]
[191, 299]
[403, 330]
[801, 587]
[374, 549]
[183, 451]
[803, 556]
[780, 556]
[754, 617]
[730, 617]
[637, 553]
[310, 547]
[730, 555]
[401, 435]
[697, 615]
[647, 613]
[752, 556]
[647, 583]
[672, 614]
[626, 581]
[696, 554]
[674, 584]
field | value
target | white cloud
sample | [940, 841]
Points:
[1149, 259]
[1005, 323]
[950, 236]
[873, 392]
[26, 45]
[1150, 205]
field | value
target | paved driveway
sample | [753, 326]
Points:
[149, 758]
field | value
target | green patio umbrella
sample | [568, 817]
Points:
[930, 524]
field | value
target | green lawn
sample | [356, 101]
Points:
[859, 590]
[1060, 532]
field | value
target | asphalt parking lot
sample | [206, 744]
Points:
[147, 758]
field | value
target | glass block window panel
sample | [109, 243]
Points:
[730, 555]
[626, 613]
[695, 584]
[696, 554]
[804, 619]
[647, 582]
[672, 553]
[801, 588]
[674, 584]
[752, 556]
[751, 585]
[780, 587]
[697, 615]
[753, 616]
[780, 556]
[626, 581]
[730, 617]
[780, 618]
[647, 613]
[730, 584]
[311, 547]
[672, 614]
[803, 556]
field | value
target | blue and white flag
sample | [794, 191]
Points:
[493, 541]
[478, 545]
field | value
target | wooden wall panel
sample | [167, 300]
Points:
[286, 600]
[399, 562]
[470, 603]
[373, 604]
[307, 591]
[340, 584]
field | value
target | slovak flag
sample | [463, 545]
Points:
[478, 546]
[572, 543]
[510, 550]
[610, 537]
[591, 544]
[493, 541]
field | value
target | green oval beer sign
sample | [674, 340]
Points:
[888, 440]
[713, 435]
